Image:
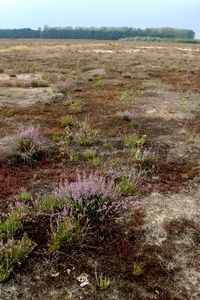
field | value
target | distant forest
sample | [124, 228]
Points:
[102, 33]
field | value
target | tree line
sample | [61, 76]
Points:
[101, 33]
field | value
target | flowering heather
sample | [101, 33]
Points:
[85, 186]
[30, 134]
[91, 196]
[126, 115]
[29, 140]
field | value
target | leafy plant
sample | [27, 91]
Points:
[67, 232]
[68, 135]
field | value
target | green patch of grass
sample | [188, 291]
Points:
[127, 187]
[12, 252]
[10, 226]
[24, 196]
[68, 121]
[133, 141]
[89, 154]
[86, 136]
[49, 204]
[74, 106]
[67, 232]
[96, 161]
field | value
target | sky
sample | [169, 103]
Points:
[97, 13]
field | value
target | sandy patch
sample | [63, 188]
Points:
[24, 97]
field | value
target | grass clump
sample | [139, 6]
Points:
[133, 141]
[86, 136]
[68, 121]
[67, 232]
[24, 196]
[90, 154]
[49, 204]
[12, 252]
[74, 106]
[127, 187]
[10, 226]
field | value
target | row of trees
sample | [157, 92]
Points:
[102, 33]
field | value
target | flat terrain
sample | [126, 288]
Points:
[43, 83]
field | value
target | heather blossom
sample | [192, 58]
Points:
[126, 115]
[30, 134]
[91, 196]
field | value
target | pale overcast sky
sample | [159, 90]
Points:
[132, 13]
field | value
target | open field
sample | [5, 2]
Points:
[123, 113]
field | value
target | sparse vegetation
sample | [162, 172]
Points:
[99, 166]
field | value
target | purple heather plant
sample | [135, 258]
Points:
[29, 138]
[126, 115]
[91, 197]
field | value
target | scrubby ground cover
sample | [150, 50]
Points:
[99, 170]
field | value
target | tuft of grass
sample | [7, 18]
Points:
[96, 161]
[137, 269]
[124, 97]
[133, 141]
[89, 154]
[49, 204]
[68, 121]
[102, 282]
[67, 232]
[74, 106]
[24, 196]
[12, 252]
[10, 226]
[127, 187]
[86, 136]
